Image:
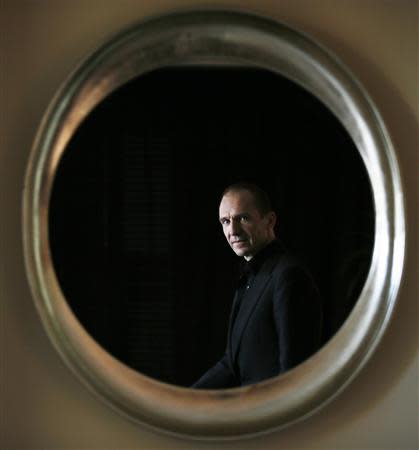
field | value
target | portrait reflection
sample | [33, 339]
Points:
[276, 318]
[134, 213]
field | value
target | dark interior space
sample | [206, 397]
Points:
[133, 219]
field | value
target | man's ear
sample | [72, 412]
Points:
[272, 219]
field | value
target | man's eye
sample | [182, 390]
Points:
[224, 222]
[244, 218]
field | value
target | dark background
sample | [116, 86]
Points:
[134, 230]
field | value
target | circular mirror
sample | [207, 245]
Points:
[129, 269]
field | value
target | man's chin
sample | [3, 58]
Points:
[241, 251]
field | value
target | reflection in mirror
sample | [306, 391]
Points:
[133, 218]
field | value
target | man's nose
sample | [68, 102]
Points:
[235, 227]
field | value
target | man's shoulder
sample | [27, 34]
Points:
[285, 261]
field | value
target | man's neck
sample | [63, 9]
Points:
[249, 258]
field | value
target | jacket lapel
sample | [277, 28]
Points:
[233, 316]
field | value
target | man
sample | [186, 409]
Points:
[276, 316]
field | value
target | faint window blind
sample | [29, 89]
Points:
[146, 255]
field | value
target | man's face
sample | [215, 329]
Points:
[245, 229]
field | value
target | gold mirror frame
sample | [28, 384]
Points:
[218, 37]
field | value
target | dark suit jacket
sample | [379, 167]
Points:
[278, 325]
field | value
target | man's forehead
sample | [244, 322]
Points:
[237, 202]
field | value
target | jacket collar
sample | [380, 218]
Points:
[253, 266]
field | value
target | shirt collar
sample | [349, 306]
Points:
[252, 267]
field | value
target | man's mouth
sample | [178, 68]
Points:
[238, 241]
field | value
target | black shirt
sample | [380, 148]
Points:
[249, 270]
